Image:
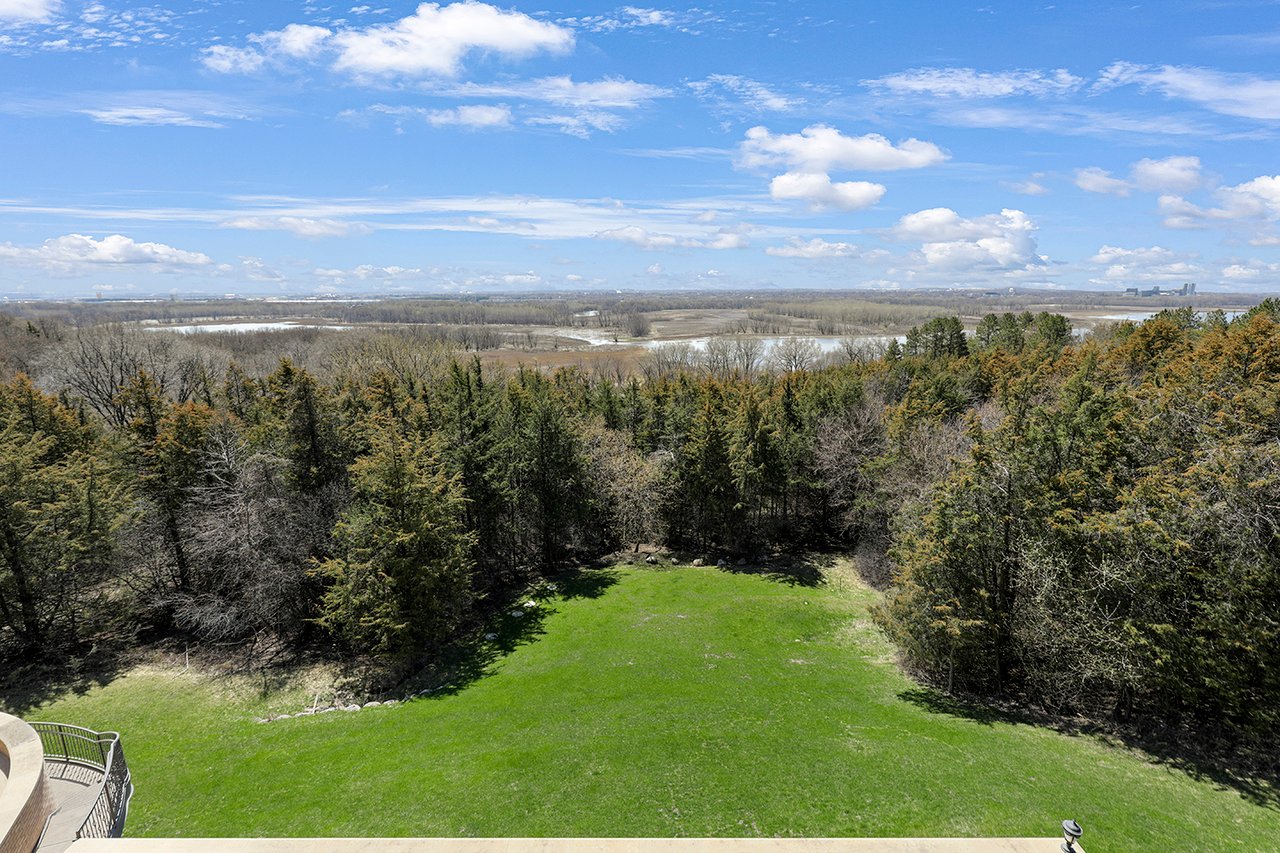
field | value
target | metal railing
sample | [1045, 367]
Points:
[100, 751]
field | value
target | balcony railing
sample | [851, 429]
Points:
[100, 751]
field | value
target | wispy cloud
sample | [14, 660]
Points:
[968, 83]
[28, 10]
[148, 117]
[606, 93]
[689, 21]
[1234, 94]
[734, 93]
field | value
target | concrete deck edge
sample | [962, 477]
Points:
[570, 845]
[24, 802]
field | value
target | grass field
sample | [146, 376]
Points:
[685, 701]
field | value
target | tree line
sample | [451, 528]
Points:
[1089, 524]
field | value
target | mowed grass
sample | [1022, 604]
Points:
[680, 702]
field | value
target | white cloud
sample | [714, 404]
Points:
[28, 10]
[820, 148]
[1001, 241]
[820, 192]
[636, 17]
[300, 226]
[1150, 264]
[626, 18]
[1234, 94]
[1097, 180]
[1171, 173]
[474, 116]
[1252, 272]
[300, 41]
[542, 218]
[589, 103]
[1255, 204]
[606, 93]
[433, 41]
[372, 272]
[148, 116]
[75, 250]
[636, 235]
[968, 83]
[1031, 186]
[581, 124]
[812, 154]
[730, 91]
[469, 116]
[226, 59]
[1073, 120]
[815, 248]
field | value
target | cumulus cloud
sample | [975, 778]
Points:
[820, 148]
[28, 10]
[433, 41]
[1001, 241]
[1149, 264]
[1254, 203]
[1177, 173]
[74, 250]
[1096, 180]
[1171, 173]
[1252, 271]
[810, 156]
[815, 248]
[968, 83]
[821, 193]
[1233, 94]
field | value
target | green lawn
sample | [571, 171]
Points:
[680, 702]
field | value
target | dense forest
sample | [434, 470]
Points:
[1088, 525]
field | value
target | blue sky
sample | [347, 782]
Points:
[273, 148]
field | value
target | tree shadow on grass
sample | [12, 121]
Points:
[1255, 777]
[509, 625]
[27, 686]
[807, 570]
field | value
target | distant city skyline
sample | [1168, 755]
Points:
[263, 148]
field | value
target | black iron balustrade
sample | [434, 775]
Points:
[99, 751]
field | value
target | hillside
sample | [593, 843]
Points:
[651, 702]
